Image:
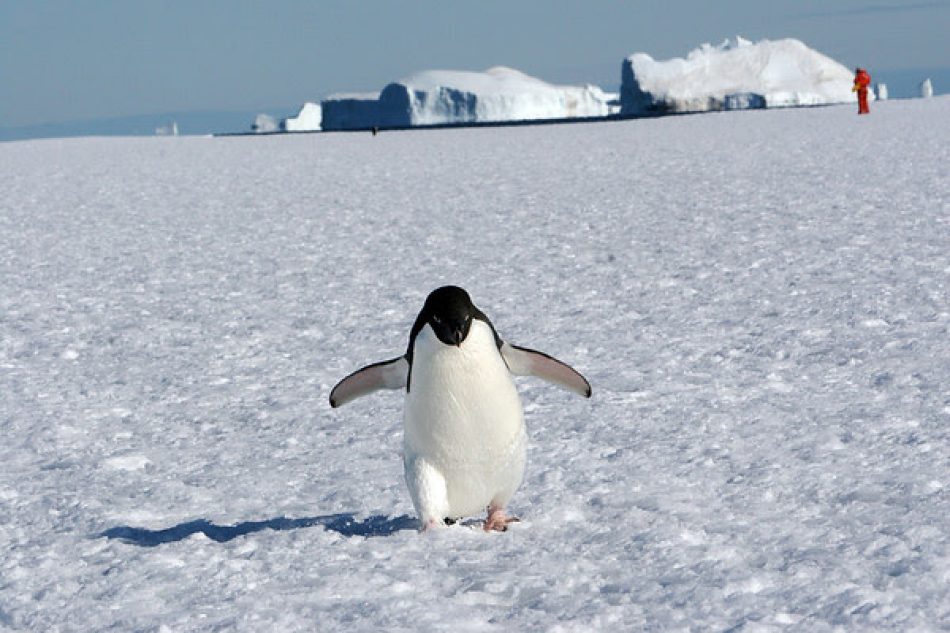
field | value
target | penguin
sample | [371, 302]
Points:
[464, 438]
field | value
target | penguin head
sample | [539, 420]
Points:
[449, 312]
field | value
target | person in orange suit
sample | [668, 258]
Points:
[861, 82]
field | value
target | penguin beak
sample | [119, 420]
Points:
[457, 337]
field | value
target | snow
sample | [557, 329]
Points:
[308, 119]
[761, 301]
[736, 74]
[437, 97]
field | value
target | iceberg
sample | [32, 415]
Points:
[737, 74]
[446, 97]
[308, 119]
[264, 124]
[350, 111]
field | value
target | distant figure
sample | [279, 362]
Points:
[375, 130]
[926, 89]
[861, 82]
[882, 92]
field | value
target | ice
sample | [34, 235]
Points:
[264, 124]
[308, 119]
[737, 74]
[128, 462]
[350, 111]
[436, 97]
[759, 299]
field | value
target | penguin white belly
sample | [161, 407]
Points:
[464, 438]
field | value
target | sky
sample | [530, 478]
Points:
[66, 60]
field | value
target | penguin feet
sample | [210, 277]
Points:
[431, 524]
[497, 520]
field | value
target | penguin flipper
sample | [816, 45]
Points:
[522, 361]
[388, 374]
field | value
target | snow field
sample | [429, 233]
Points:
[759, 299]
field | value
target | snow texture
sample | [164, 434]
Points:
[737, 74]
[439, 97]
[761, 301]
[308, 119]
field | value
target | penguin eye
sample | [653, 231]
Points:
[436, 320]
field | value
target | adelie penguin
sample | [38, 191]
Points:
[464, 437]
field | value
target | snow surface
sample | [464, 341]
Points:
[761, 301]
[308, 119]
[737, 74]
[436, 97]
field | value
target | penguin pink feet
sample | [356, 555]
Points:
[432, 524]
[497, 520]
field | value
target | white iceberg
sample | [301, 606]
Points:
[445, 97]
[308, 119]
[737, 74]
[264, 124]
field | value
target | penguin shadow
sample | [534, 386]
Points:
[345, 523]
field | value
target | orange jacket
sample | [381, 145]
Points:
[862, 79]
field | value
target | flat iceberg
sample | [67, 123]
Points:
[737, 74]
[445, 97]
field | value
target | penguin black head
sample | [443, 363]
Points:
[449, 312]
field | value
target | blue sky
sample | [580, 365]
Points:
[83, 59]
